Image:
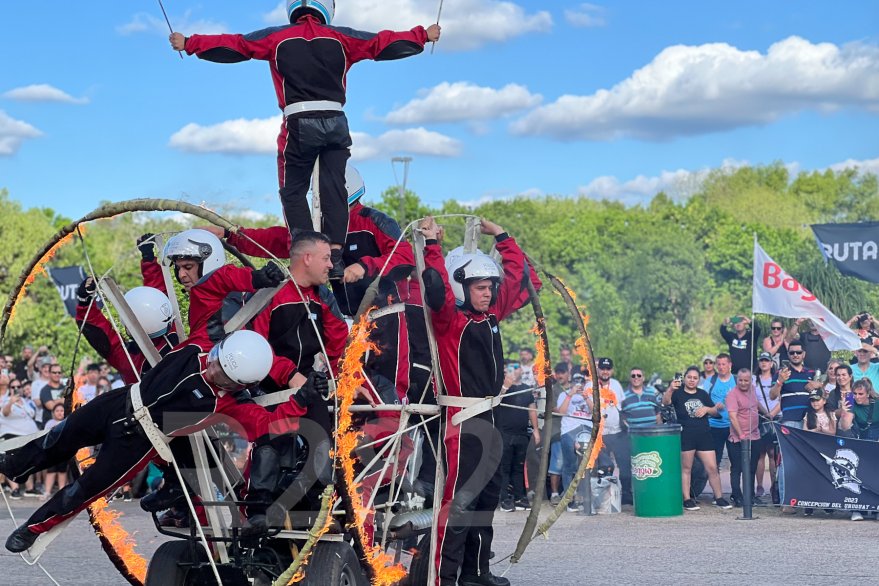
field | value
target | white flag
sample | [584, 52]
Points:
[777, 293]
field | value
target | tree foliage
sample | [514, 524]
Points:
[656, 280]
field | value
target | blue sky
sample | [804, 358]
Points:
[613, 100]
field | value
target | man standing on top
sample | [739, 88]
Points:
[309, 60]
[467, 300]
[742, 341]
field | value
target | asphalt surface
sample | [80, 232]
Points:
[709, 546]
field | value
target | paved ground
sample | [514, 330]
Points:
[704, 547]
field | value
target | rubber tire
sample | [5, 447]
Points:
[334, 563]
[164, 570]
[420, 566]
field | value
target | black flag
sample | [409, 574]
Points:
[66, 280]
[853, 248]
[829, 472]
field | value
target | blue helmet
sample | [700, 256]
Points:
[323, 9]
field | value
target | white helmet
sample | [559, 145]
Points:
[323, 9]
[466, 267]
[354, 185]
[152, 309]
[244, 356]
[198, 245]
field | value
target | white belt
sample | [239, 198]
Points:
[153, 433]
[299, 107]
[470, 406]
[389, 310]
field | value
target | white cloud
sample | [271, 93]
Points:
[144, 22]
[586, 16]
[679, 185]
[413, 141]
[259, 136]
[460, 101]
[42, 92]
[235, 137]
[696, 90]
[14, 132]
[466, 26]
[863, 166]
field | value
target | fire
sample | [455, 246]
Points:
[300, 573]
[385, 572]
[540, 362]
[608, 398]
[40, 268]
[583, 354]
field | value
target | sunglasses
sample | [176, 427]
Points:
[637, 375]
[708, 362]
[813, 399]
[14, 386]
[796, 352]
[776, 328]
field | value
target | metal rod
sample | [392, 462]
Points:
[170, 28]
[747, 481]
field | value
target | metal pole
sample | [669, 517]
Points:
[747, 482]
[401, 219]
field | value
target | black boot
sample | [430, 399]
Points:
[21, 539]
[166, 497]
[488, 579]
[338, 270]
[265, 468]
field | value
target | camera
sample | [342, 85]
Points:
[864, 316]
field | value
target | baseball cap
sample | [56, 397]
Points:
[578, 378]
[605, 363]
[816, 394]
[708, 357]
[764, 356]
[44, 361]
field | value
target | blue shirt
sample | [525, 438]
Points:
[718, 395]
[872, 374]
[639, 410]
[794, 396]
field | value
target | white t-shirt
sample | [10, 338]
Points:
[20, 420]
[768, 403]
[578, 407]
[610, 412]
[88, 392]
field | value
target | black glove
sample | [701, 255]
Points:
[269, 276]
[147, 249]
[313, 391]
[86, 291]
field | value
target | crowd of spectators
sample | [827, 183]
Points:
[32, 389]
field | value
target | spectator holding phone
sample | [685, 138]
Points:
[794, 384]
[740, 340]
[575, 406]
[864, 326]
[16, 419]
[517, 423]
[861, 420]
[693, 406]
[842, 390]
[777, 340]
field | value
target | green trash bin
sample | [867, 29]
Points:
[656, 470]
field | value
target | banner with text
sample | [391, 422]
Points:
[828, 472]
[66, 280]
[777, 293]
[853, 248]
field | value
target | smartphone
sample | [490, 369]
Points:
[785, 363]
[5, 371]
[679, 377]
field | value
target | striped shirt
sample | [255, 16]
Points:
[639, 410]
[794, 396]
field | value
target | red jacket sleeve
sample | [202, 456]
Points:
[513, 291]
[442, 317]
[275, 239]
[206, 298]
[99, 333]
[232, 48]
[385, 45]
[403, 255]
[151, 271]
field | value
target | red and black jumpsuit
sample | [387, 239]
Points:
[471, 361]
[180, 401]
[309, 62]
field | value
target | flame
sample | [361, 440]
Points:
[608, 398]
[105, 521]
[580, 349]
[540, 363]
[39, 269]
[385, 572]
[300, 572]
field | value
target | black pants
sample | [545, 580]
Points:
[472, 492]
[512, 471]
[306, 139]
[122, 455]
[618, 445]
[720, 436]
[734, 449]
